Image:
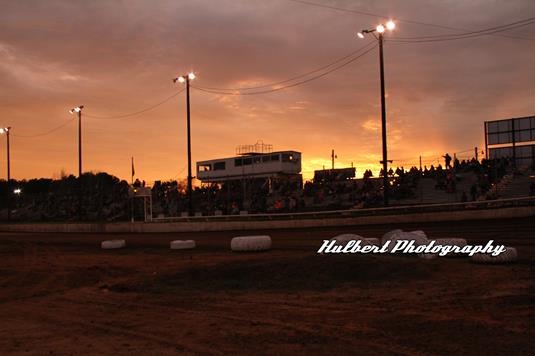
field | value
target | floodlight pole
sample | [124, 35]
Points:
[80, 165]
[186, 79]
[78, 110]
[80, 144]
[383, 122]
[7, 130]
[190, 187]
[380, 30]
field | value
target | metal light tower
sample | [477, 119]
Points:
[78, 110]
[186, 79]
[6, 130]
[380, 29]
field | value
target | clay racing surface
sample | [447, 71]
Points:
[60, 294]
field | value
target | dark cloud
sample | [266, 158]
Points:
[120, 56]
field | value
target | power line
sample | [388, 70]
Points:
[136, 112]
[290, 85]
[485, 32]
[501, 27]
[46, 132]
[436, 38]
[358, 12]
[180, 172]
[298, 76]
[102, 117]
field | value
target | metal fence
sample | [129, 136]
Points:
[349, 213]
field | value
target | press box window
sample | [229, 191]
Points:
[238, 162]
[219, 166]
[288, 157]
[205, 167]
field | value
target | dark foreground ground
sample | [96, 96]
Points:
[61, 295]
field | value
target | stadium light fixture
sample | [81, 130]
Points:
[76, 109]
[380, 29]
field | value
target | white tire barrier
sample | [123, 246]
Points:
[251, 243]
[401, 235]
[345, 238]
[420, 233]
[451, 242]
[510, 255]
[372, 241]
[112, 244]
[389, 234]
[182, 244]
[427, 256]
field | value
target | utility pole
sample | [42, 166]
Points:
[190, 184]
[78, 110]
[80, 143]
[133, 192]
[80, 164]
[6, 130]
[420, 164]
[380, 29]
[475, 151]
[383, 122]
[8, 176]
[186, 79]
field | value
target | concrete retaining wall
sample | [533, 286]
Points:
[192, 226]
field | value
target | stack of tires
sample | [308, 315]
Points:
[510, 255]
[250, 243]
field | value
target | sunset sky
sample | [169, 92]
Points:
[119, 57]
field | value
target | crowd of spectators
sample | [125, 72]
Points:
[102, 197]
[106, 198]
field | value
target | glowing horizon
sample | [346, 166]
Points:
[118, 59]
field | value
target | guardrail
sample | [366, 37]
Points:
[348, 213]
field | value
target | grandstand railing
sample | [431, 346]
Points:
[349, 213]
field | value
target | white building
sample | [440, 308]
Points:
[250, 165]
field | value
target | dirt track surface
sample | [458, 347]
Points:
[60, 294]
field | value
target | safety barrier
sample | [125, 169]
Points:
[348, 213]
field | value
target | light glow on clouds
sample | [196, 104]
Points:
[118, 57]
